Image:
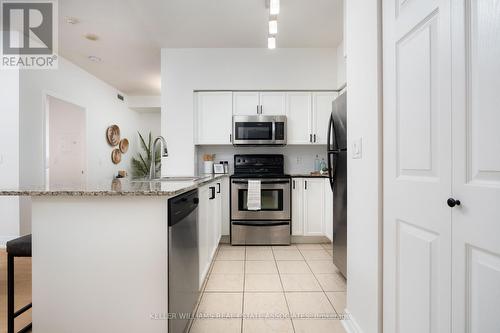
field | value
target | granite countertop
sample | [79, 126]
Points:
[119, 187]
[308, 175]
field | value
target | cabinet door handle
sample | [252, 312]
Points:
[293, 184]
[257, 109]
[314, 137]
[230, 138]
[212, 192]
[218, 187]
[305, 184]
[310, 138]
[261, 108]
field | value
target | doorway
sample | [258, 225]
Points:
[65, 144]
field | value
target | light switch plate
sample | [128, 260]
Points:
[357, 148]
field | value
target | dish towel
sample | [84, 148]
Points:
[253, 197]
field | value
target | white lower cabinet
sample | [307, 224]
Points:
[225, 197]
[211, 213]
[311, 207]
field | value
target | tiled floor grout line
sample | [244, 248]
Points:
[283, 287]
[243, 292]
[322, 289]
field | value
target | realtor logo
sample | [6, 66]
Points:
[29, 34]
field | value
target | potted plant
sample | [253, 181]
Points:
[142, 163]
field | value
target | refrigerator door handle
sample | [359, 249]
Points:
[332, 167]
[329, 142]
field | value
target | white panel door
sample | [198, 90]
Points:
[322, 109]
[314, 207]
[476, 166]
[299, 117]
[214, 120]
[273, 103]
[417, 166]
[297, 207]
[66, 148]
[246, 103]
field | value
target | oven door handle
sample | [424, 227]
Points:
[260, 223]
[263, 182]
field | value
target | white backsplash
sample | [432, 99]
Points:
[298, 159]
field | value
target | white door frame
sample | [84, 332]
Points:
[45, 102]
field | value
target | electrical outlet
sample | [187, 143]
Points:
[357, 148]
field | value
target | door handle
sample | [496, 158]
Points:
[257, 109]
[218, 187]
[310, 138]
[261, 107]
[212, 192]
[230, 138]
[452, 202]
[293, 184]
[305, 184]
[314, 137]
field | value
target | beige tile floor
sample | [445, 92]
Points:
[272, 289]
[22, 288]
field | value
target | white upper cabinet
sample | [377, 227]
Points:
[299, 117]
[246, 103]
[308, 113]
[214, 117]
[322, 109]
[273, 103]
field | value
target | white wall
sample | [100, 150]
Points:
[185, 70]
[149, 122]
[72, 84]
[9, 153]
[364, 215]
[341, 65]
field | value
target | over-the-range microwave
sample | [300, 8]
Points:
[259, 130]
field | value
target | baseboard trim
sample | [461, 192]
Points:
[225, 239]
[309, 239]
[350, 324]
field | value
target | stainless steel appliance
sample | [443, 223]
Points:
[337, 165]
[259, 130]
[183, 265]
[272, 223]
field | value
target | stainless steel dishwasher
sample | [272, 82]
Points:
[183, 266]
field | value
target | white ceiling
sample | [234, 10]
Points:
[132, 32]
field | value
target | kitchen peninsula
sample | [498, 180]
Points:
[100, 254]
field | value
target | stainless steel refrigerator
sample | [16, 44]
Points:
[337, 166]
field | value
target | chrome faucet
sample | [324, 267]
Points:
[152, 170]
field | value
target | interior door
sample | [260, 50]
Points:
[66, 144]
[417, 166]
[476, 166]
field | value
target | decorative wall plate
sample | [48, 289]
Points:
[124, 145]
[113, 135]
[116, 156]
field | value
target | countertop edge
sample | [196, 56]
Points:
[112, 193]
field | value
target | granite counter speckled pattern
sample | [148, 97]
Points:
[308, 175]
[120, 187]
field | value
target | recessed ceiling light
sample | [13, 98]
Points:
[273, 27]
[72, 20]
[94, 58]
[271, 43]
[274, 7]
[91, 37]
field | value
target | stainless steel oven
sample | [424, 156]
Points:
[275, 200]
[271, 225]
[259, 130]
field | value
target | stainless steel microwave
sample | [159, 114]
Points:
[259, 130]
